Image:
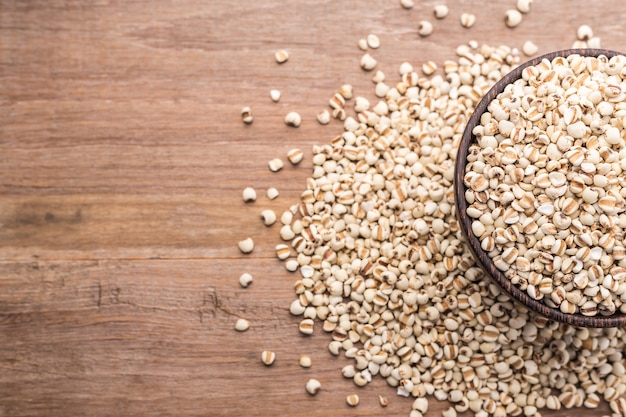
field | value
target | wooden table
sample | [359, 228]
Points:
[122, 161]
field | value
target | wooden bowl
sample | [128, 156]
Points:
[616, 320]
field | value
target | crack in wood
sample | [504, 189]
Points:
[212, 303]
[99, 297]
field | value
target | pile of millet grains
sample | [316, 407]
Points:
[382, 267]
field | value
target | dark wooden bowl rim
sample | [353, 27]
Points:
[616, 320]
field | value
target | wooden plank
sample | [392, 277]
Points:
[134, 337]
[109, 226]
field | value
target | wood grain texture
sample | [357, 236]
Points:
[122, 160]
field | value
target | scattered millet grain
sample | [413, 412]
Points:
[346, 91]
[352, 400]
[305, 361]
[313, 386]
[368, 62]
[246, 115]
[268, 217]
[295, 156]
[373, 41]
[275, 164]
[440, 11]
[512, 18]
[281, 56]
[293, 119]
[275, 95]
[268, 357]
[524, 5]
[272, 193]
[594, 42]
[249, 195]
[407, 4]
[246, 245]
[242, 325]
[468, 20]
[323, 117]
[584, 33]
[529, 48]
[245, 280]
[424, 28]
[429, 67]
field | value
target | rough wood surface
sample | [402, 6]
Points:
[122, 160]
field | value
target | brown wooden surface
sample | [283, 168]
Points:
[122, 160]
